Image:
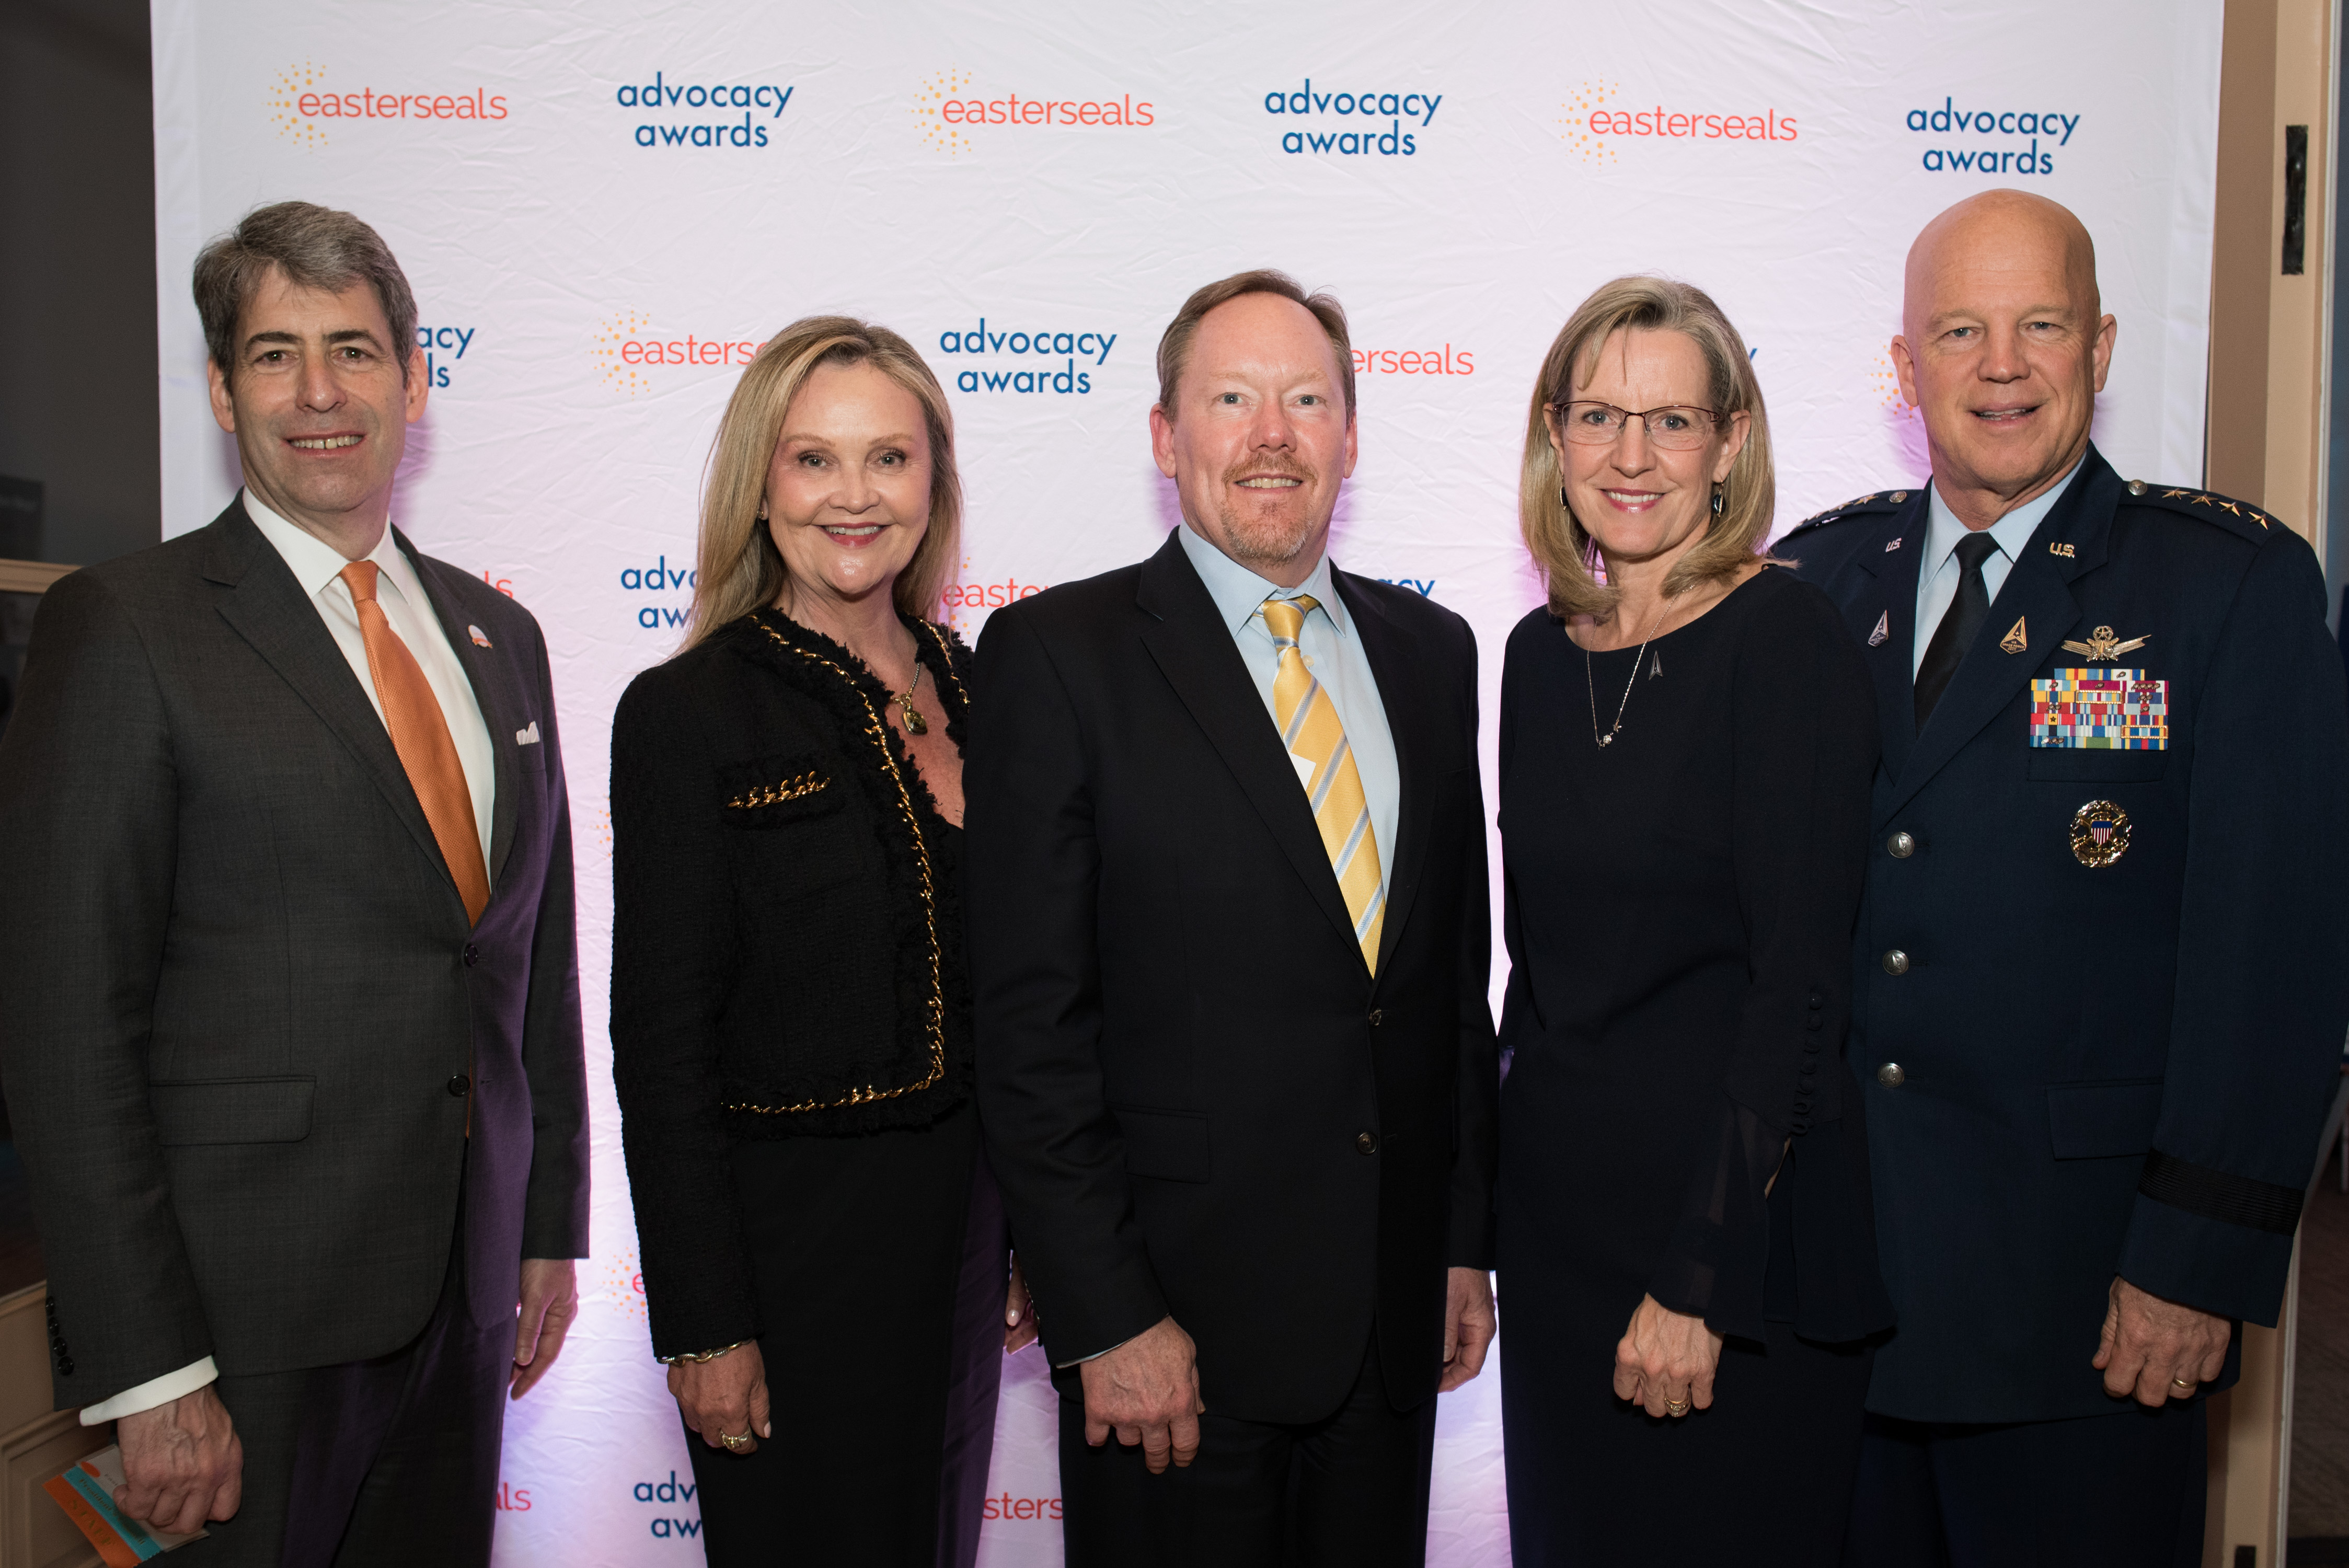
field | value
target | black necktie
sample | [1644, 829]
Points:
[1959, 623]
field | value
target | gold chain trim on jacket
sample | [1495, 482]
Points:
[796, 789]
[937, 1010]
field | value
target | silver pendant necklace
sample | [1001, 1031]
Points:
[1590, 684]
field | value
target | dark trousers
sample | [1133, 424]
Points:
[385, 1463]
[857, 1252]
[1348, 1491]
[2123, 1491]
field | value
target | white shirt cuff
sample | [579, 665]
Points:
[155, 1391]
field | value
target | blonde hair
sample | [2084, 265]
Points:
[1562, 549]
[1175, 343]
[738, 569]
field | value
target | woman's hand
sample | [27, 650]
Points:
[1666, 1358]
[1018, 1312]
[724, 1397]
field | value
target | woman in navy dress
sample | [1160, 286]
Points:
[1687, 1260]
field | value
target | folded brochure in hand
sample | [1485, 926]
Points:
[86, 1491]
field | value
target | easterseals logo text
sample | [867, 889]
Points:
[954, 115]
[301, 105]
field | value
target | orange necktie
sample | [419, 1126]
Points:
[420, 733]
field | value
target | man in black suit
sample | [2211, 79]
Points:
[2100, 989]
[290, 1014]
[1229, 921]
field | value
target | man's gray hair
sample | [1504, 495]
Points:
[316, 248]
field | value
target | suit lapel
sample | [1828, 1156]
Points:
[266, 607]
[2037, 591]
[501, 708]
[1195, 651]
[1395, 663]
[1881, 591]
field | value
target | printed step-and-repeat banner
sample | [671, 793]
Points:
[606, 206]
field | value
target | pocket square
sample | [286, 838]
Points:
[527, 737]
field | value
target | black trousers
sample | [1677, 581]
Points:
[2122, 1491]
[385, 1463]
[1348, 1491]
[858, 1257]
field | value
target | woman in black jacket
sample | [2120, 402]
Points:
[824, 1256]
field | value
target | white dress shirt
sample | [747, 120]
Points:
[318, 567]
[1938, 573]
[1333, 652]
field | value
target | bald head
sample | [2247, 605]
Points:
[2011, 232]
[2004, 348]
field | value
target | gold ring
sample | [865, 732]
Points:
[2186, 1383]
[733, 1443]
[1676, 1406]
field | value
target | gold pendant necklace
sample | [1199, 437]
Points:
[914, 723]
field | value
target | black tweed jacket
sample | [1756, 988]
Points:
[787, 956]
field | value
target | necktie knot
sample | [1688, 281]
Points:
[1974, 549]
[1285, 618]
[359, 578]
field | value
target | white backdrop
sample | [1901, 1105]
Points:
[604, 206]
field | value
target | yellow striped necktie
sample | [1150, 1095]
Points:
[1310, 729]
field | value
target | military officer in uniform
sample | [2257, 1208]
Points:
[2100, 993]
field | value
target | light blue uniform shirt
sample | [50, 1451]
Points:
[1333, 652]
[1938, 573]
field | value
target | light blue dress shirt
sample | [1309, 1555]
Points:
[1333, 652]
[1938, 573]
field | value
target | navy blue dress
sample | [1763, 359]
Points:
[1677, 1119]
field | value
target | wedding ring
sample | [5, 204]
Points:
[1676, 1406]
[734, 1444]
[2188, 1383]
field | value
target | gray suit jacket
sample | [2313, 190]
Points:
[238, 998]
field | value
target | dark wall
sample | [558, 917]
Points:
[77, 377]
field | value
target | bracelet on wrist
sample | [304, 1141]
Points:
[701, 1356]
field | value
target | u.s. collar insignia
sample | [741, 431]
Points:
[2100, 834]
[1891, 547]
[2103, 647]
[1883, 629]
[478, 636]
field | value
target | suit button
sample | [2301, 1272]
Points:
[459, 1084]
[1378, 1017]
[1896, 961]
[1891, 1076]
[65, 1367]
[473, 955]
[1366, 1142]
[1816, 1001]
[1901, 846]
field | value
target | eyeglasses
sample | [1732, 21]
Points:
[1673, 429]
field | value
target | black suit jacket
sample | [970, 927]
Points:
[241, 1000]
[1198, 1099]
[2115, 1070]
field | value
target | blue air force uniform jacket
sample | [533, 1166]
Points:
[2102, 962]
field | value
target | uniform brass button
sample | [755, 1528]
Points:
[2136, 486]
[1378, 1017]
[1366, 1142]
[1891, 1076]
[1901, 846]
[459, 1084]
[1899, 496]
[1896, 961]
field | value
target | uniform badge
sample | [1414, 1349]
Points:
[2100, 834]
[2103, 648]
[2100, 710]
[2016, 640]
[478, 636]
[1891, 547]
[2058, 547]
[1883, 627]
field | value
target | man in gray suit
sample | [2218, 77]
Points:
[289, 1005]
